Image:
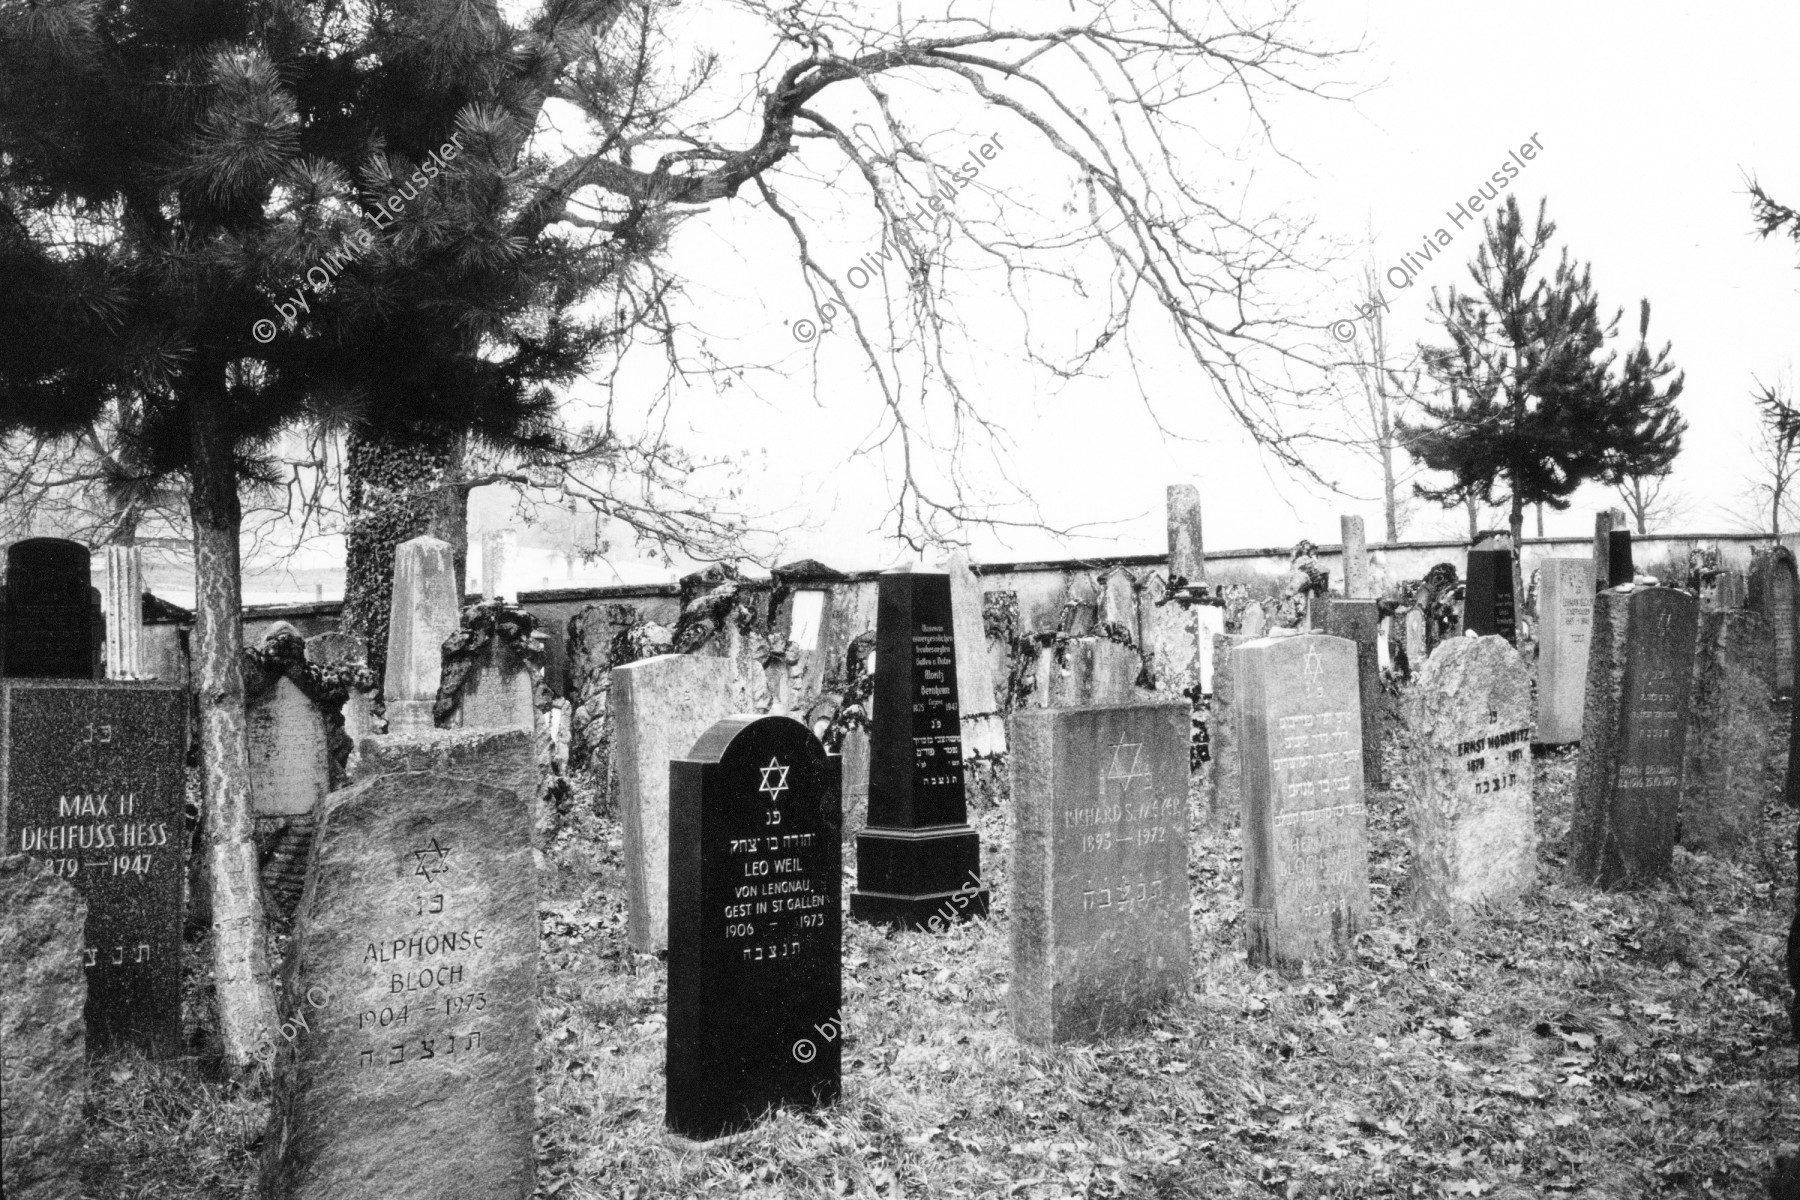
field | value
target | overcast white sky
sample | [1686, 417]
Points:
[1649, 118]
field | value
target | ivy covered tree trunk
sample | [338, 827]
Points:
[241, 975]
[397, 492]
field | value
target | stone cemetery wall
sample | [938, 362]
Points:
[755, 926]
[1634, 730]
[1100, 933]
[1468, 760]
[1724, 780]
[660, 707]
[1306, 857]
[93, 783]
[411, 995]
[43, 1057]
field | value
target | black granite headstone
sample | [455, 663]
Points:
[49, 611]
[1488, 596]
[755, 925]
[91, 781]
[1619, 568]
[918, 853]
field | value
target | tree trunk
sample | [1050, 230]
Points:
[1518, 545]
[1540, 520]
[1470, 503]
[241, 976]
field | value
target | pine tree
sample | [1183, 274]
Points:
[231, 215]
[1532, 406]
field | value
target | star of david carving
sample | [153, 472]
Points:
[1315, 666]
[433, 860]
[1125, 772]
[774, 780]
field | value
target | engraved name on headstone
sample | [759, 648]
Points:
[1772, 592]
[1566, 617]
[93, 786]
[755, 926]
[404, 1067]
[1633, 738]
[1306, 858]
[1100, 897]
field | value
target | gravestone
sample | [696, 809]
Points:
[1224, 793]
[1171, 646]
[755, 926]
[1633, 736]
[1731, 589]
[983, 726]
[1488, 606]
[500, 758]
[1359, 622]
[1187, 551]
[426, 610]
[1086, 671]
[1414, 634]
[1772, 590]
[124, 610]
[1727, 749]
[660, 707]
[918, 849]
[854, 754]
[43, 1068]
[1605, 522]
[1469, 770]
[1100, 894]
[49, 611]
[1566, 617]
[917, 846]
[290, 760]
[1620, 568]
[94, 787]
[498, 693]
[1306, 856]
[404, 1069]
[1254, 623]
[1384, 646]
[1356, 559]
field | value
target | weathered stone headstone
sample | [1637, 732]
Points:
[1605, 521]
[501, 758]
[1254, 623]
[1356, 559]
[1772, 589]
[1224, 790]
[1468, 756]
[855, 756]
[1187, 552]
[983, 726]
[124, 608]
[43, 1075]
[1086, 671]
[426, 610]
[1211, 620]
[660, 707]
[1099, 867]
[49, 611]
[755, 926]
[1171, 632]
[1306, 856]
[499, 693]
[94, 785]
[1384, 645]
[1633, 736]
[1488, 606]
[918, 848]
[1566, 617]
[411, 1000]
[290, 762]
[1359, 622]
[1731, 589]
[1727, 749]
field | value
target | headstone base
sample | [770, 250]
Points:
[905, 877]
[411, 716]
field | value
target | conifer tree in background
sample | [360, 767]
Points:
[1643, 460]
[169, 174]
[1533, 412]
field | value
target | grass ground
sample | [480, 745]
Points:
[1579, 1045]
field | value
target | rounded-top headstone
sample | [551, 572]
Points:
[49, 617]
[755, 925]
